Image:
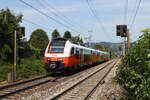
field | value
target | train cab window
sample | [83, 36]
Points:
[72, 50]
[57, 46]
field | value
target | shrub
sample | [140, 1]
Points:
[30, 67]
[133, 74]
[4, 70]
[25, 69]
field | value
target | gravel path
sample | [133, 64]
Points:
[110, 90]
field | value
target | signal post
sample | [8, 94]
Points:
[19, 31]
[123, 32]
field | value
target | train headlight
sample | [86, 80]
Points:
[60, 59]
[48, 59]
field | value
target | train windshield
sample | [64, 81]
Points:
[58, 43]
[56, 50]
[57, 46]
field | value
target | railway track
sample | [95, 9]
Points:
[84, 87]
[9, 91]
[17, 87]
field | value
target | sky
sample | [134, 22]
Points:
[76, 15]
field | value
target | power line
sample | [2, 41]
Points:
[35, 24]
[93, 10]
[125, 12]
[48, 16]
[137, 9]
[63, 17]
[132, 12]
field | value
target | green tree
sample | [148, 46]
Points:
[67, 35]
[77, 40]
[39, 39]
[133, 74]
[55, 34]
[8, 23]
[98, 46]
[103, 48]
[106, 49]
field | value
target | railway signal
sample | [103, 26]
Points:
[19, 31]
[122, 30]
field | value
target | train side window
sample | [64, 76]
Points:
[72, 50]
[81, 51]
[77, 54]
[77, 51]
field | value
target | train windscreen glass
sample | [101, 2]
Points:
[58, 43]
[57, 46]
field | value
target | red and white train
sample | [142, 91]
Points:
[61, 54]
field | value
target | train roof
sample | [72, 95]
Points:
[80, 46]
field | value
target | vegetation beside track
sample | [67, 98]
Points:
[27, 68]
[134, 73]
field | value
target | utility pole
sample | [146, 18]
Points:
[19, 31]
[15, 55]
[12, 74]
[123, 46]
[90, 37]
[128, 39]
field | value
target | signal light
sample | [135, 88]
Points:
[122, 30]
[20, 31]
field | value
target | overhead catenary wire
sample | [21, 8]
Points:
[36, 24]
[93, 10]
[125, 12]
[54, 13]
[136, 11]
[44, 14]
[132, 12]
[61, 16]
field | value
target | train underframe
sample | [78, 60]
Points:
[54, 66]
[58, 66]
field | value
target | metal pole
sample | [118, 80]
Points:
[90, 37]
[128, 39]
[15, 56]
[122, 47]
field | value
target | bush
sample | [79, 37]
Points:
[30, 67]
[25, 69]
[133, 74]
[4, 70]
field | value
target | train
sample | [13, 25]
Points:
[62, 55]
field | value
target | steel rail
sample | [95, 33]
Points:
[99, 83]
[11, 89]
[55, 97]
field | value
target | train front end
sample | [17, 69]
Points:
[55, 55]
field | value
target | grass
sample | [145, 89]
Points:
[27, 67]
